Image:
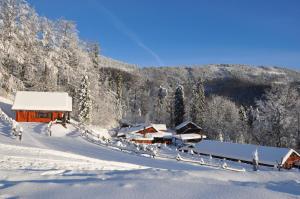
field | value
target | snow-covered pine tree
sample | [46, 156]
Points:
[244, 125]
[179, 109]
[85, 105]
[198, 103]
[94, 52]
[159, 109]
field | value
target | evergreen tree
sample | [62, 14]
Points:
[94, 51]
[197, 103]
[160, 105]
[85, 105]
[244, 136]
[179, 105]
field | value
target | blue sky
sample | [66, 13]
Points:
[186, 32]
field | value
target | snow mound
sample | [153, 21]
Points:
[59, 130]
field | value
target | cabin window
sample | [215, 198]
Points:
[43, 115]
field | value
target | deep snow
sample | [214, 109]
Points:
[67, 166]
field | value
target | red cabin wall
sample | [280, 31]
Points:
[143, 141]
[290, 162]
[32, 116]
[147, 130]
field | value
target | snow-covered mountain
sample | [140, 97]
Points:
[241, 83]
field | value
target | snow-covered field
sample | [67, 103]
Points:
[67, 166]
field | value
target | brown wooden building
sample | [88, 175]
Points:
[188, 127]
[188, 132]
[42, 106]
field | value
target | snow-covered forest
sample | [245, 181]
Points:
[237, 103]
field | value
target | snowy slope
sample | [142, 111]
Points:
[67, 166]
[19, 157]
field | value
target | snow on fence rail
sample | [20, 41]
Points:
[17, 130]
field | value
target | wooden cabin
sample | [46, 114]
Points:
[33, 106]
[187, 138]
[188, 127]
[188, 132]
[268, 156]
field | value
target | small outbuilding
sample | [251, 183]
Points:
[31, 106]
[268, 156]
[188, 132]
[188, 127]
[188, 138]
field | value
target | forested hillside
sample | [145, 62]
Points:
[239, 103]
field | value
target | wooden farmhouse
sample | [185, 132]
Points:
[146, 134]
[268, 156]
[42, 106]
[188, 132]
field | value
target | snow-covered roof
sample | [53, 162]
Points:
[190, 136]
[135, 129]
[267, 155]
[42, 101]
[142, 138]
[159, 135]
[160, 127]
[185, 123]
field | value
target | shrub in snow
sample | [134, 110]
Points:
[119, 144]
[49, 131]
[202, 161]
[14, 128]
[192, 152]
[155, 152]
[178, 157]
[20, 132]
[144, 147]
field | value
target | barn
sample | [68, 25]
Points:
[31, 106]
[268, 156]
